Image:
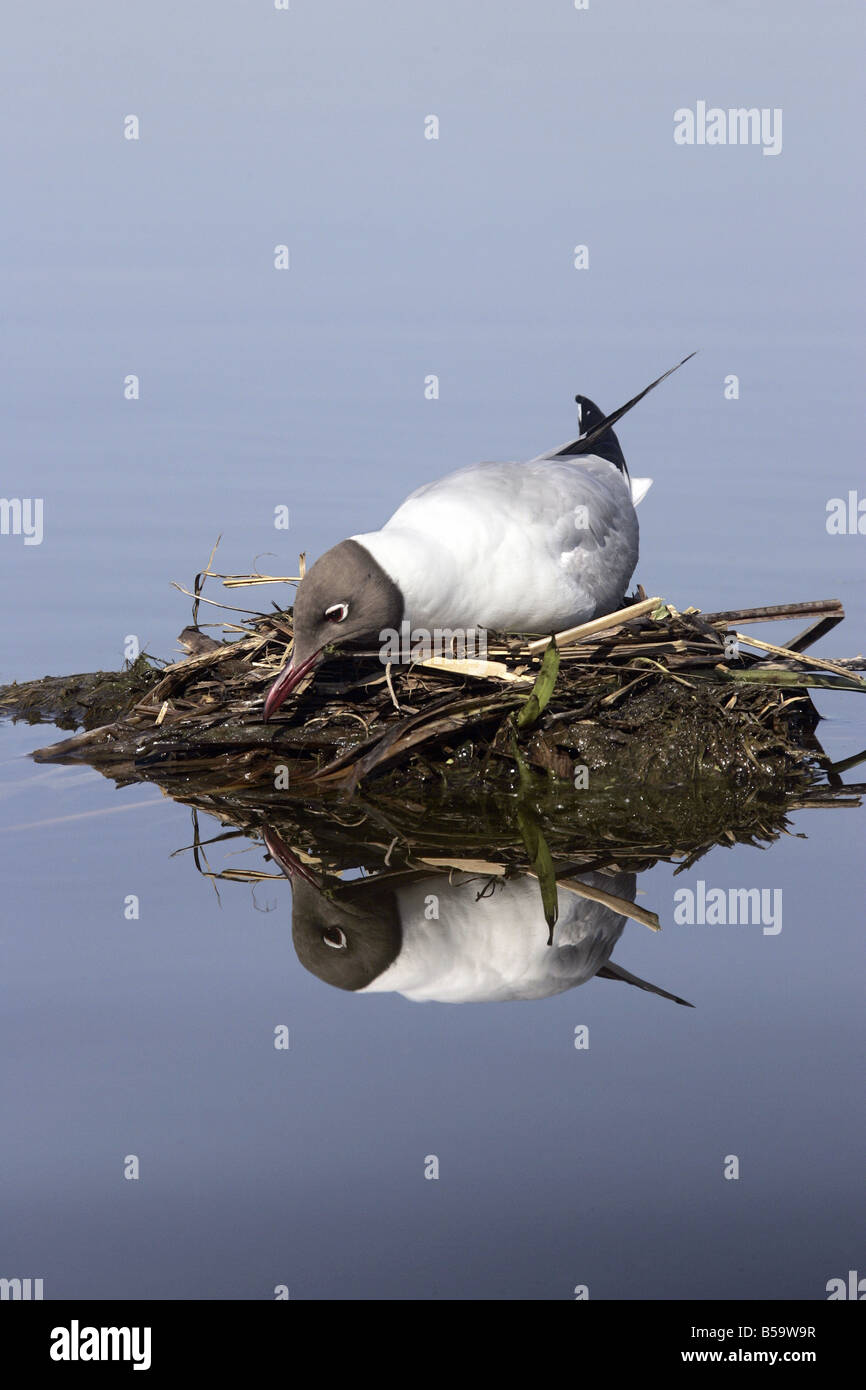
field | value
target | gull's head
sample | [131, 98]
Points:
[346, 598]
[346, 938]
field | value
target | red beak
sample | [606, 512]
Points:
[286, 681]
[286, 858]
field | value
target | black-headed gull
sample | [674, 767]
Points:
[532, 547]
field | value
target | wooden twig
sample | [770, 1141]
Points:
[200, 598]
[811, 634]
[621, 905]
[245, 581]
[776, 613]
[796, 656]
[576, 634]
[395, 702]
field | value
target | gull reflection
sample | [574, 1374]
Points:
[455, 938]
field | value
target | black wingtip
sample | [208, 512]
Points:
[597, 429]
[612, 971]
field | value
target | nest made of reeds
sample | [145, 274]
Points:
[649, 693]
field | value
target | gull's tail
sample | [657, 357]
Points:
[598, 436]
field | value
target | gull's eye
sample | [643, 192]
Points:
[335, 938]
[337, 612]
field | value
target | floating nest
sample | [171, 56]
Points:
[647, 697]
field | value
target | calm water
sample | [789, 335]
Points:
[306, 1167]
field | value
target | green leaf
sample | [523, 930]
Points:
[522, 767]
[542, 867]
[543, 688]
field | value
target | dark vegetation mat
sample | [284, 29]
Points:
[660, 698]
[651, 734]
